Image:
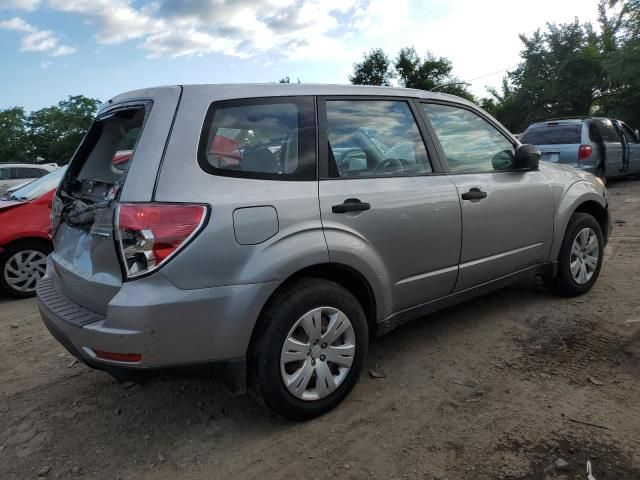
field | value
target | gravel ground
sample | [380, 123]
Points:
[519, 384]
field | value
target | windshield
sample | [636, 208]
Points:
[38, 187]
[553, 134]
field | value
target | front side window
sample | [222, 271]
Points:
[260, 138]
[630, 134]
[470, 143]
[374, 138]
[5, 173]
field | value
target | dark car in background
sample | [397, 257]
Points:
[14, 174]
[602, 146]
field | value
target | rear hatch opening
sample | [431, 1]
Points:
[86, 258]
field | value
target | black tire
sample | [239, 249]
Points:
[12, 250]
[277, 320]
[563, 283]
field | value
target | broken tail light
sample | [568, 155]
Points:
[149, 234]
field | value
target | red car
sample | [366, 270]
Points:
[25, 241]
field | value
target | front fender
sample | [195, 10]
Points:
[567, 203]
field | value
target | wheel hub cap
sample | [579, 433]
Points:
[318, 353]
[23, 270]
[585, 254]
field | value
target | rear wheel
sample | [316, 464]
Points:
[310, 349]
[580, 257]
[21, 266]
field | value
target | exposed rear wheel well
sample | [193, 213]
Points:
[347, 278]
[596, 211]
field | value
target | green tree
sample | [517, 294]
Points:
[428, 73]
[55, 132]
[375, 69]
[561, 74]
[14, 145]
[620, 24]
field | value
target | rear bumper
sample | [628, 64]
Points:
[167, 326]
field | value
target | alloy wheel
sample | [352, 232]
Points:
[584, 257]
[23, 270]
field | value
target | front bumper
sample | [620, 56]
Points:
[169, 327]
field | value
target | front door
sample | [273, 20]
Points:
[633, 149]
[507, 216]
[385, 209]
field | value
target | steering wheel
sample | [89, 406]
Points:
[384, 164]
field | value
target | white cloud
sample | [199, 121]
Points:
[482, 37]
[19, 4]
[35, 40]
[241, 28]
[45, 64]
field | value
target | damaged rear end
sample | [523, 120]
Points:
[108, 232]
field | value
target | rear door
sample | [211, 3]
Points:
[384, 201]
[507, 216]
[85, 258]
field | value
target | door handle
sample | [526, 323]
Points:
[474, 194]
[351, 205]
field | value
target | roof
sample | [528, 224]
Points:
[250, 90]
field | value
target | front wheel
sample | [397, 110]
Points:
[580, 257]
[310, 349]
[21, 266]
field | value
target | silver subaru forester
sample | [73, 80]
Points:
[275, 229]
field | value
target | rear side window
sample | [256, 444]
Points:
[630, 134]
[594, 133]
[269, 138]
[553, 134]
[607, 131]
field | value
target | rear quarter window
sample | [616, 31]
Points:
[553, 134]
[268, 138]
[607, 131]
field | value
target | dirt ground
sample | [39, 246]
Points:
[516, 385]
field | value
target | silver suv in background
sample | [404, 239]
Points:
[17, 174]
[275, 229]
[602, 146]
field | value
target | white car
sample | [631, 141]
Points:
[13, 174]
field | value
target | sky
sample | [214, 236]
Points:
[50, 49]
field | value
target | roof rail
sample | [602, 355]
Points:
[576, 117]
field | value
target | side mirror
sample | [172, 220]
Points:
[527, 158]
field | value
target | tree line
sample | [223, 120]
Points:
[566, 70]
[47, 135]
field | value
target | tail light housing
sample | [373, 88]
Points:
[149, 234]
[584, 152]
